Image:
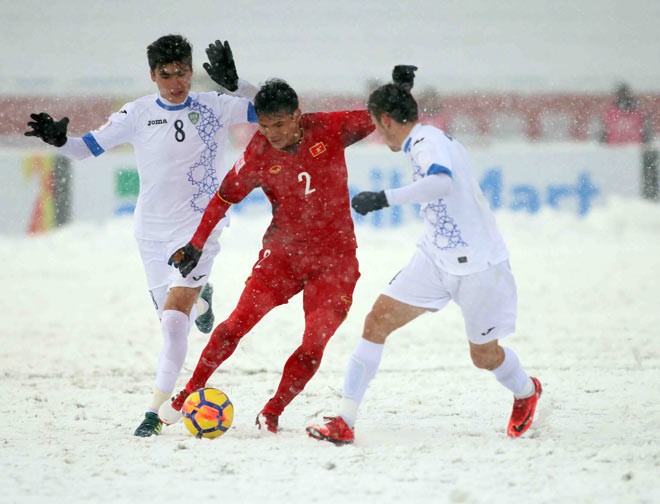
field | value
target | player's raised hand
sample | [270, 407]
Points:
[45, 127]
[221, 66]
[367, 201]
[185, 259]
[404, 75]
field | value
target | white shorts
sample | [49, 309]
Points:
[488, 299]
[161, 277]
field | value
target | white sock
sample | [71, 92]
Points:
[175, 326]
[511, 374]
[362, 367]
[159, 397]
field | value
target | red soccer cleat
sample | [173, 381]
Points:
[335, 430]
[177, 402]
[523, 412]
[268, 420]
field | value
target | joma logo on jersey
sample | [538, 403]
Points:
[153, 122]
[317, 149]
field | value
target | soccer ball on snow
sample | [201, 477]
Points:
[207, 413]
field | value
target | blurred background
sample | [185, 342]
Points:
[519, 74]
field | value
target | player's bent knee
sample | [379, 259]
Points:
[486, 356]
[377, 328]
[481, 363]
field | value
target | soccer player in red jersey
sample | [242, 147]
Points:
[298, 161]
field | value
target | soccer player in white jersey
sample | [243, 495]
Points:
[461, 256]
[179, 138]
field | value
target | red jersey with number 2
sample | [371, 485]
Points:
[307, 187]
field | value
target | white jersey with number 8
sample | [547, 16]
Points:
[179, 150]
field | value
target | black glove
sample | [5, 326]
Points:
[404, 76]
[222, 68]
[367, 201]
[185, 259]
[45, 127]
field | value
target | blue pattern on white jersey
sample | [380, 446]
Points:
[202, 175]
[446, 233]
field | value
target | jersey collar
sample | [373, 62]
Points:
[180, 106]
[406, 143]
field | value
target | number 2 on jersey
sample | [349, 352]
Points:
[263, 258]
[308, 182]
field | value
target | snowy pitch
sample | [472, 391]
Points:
[79, 341]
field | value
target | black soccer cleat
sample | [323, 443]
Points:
[150, 425]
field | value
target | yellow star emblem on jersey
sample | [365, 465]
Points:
[317, 149]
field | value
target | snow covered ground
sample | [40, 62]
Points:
[78, 344]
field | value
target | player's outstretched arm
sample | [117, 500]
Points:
[404, 76]
[221, 66]
[44, 127]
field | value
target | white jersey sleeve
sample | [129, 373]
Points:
[75, 148]
[234, 110]
[116, 131]
[421, 190]
[245, 89]
[119, 129]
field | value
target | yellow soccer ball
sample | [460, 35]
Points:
[207, 413]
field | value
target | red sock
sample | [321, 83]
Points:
[298, 370]
[305, 361]
[220, 346]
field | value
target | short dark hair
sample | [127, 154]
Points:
[169, 49]
[395, 101]
[274, 96]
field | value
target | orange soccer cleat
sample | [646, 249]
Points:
[523, 412]
[335, 430]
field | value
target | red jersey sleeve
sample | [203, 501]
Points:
[240, 180]
[354, 125]
[215, 210]
[236, 185]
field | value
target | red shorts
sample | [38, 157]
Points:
[327, 281]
